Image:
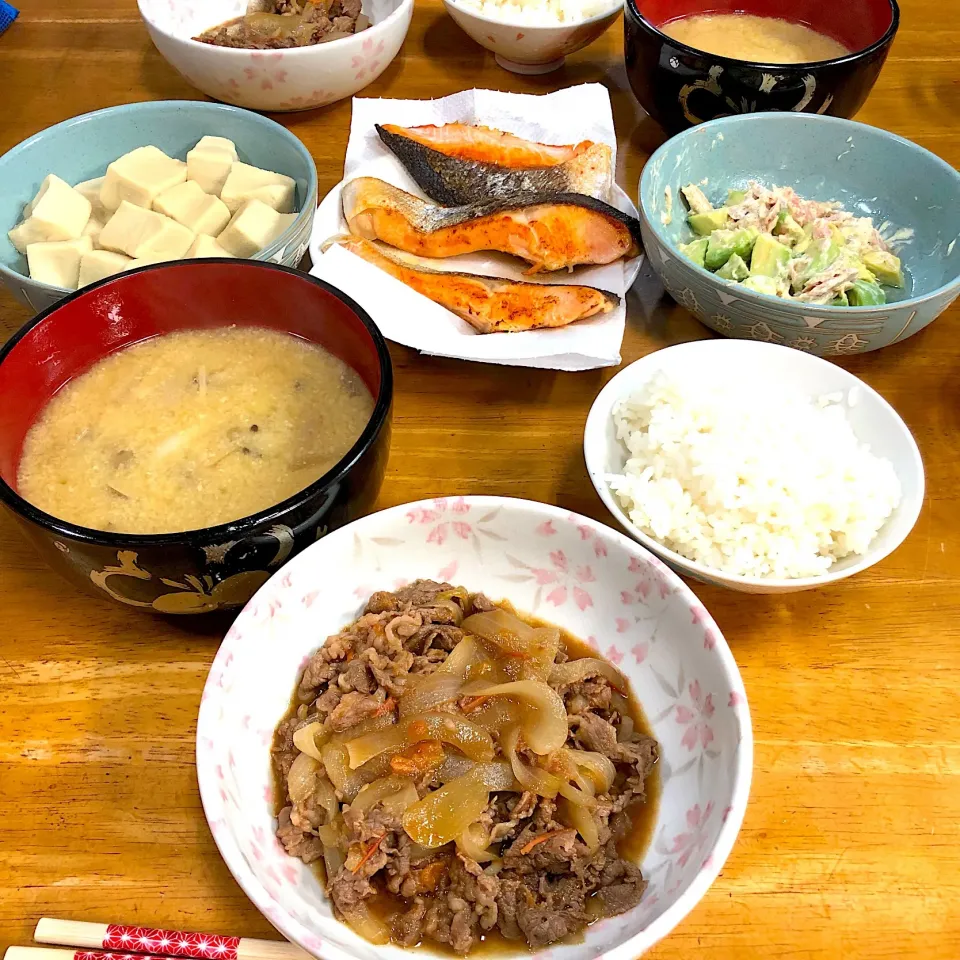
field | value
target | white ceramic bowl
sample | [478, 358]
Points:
[874, 421]
[528, 48]
[274, 80]
[572, 571]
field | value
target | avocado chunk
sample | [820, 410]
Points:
[769, 257]
[734, 269]
[735, 196]
[788, 227]
[885, 267]
[761, 284]
[822, 253]
[695, 250]
[706, 223]
[696, 199]
[863, 293]
[724, 243]
[840, 301]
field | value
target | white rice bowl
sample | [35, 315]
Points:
[543, 13]
[750, 480]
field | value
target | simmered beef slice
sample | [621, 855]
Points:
[295, 841]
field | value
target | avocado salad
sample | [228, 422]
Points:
[772, 241]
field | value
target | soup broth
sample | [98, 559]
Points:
[742, 36]
[192, 429]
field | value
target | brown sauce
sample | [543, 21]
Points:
[632, 847]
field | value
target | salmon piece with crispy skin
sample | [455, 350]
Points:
[553, 232]
[490, 304]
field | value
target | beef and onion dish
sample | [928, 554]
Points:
[281, 24]
[462, 774]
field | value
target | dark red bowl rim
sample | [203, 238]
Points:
[223, 531]
[888, 35]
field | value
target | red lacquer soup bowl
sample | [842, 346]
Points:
[680, 86]
[216, 567]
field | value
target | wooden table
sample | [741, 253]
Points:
[851, 844]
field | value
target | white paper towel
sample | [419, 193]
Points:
[567, 116]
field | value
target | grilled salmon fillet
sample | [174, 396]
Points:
[490, 304]
[552, 232]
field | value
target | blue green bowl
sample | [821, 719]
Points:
[80, 148]
[871, 172]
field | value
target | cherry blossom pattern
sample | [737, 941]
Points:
[316, 98]
[696, 718]
[448, 519]
[559, 582]
[369, 59]
[265, 71]
[171, 942]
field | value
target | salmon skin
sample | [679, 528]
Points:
[454, 180]
[470, 142]
[491, 304]
[551, 231]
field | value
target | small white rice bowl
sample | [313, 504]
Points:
[753, 466]
[753, 481]
[544, 13]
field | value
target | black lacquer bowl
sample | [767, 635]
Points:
[217, 567]
[680, 86]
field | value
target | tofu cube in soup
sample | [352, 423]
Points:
[251, 183]
[140, 176]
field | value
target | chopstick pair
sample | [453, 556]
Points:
[102, 941]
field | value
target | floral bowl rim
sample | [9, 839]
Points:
[344, 44]
[335, 543]
[613, 7]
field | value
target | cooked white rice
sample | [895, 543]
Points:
[748, 479]
[544, 13]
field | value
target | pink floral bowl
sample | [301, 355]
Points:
[567, 569]
[274, 80]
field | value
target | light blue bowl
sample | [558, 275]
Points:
[80, 148]
[871, 172]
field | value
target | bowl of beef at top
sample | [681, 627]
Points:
[690, 60]
[170, 436]
[469, 722]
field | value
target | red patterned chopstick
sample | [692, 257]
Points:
[69, 953]
[163, 943]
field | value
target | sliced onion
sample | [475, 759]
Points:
[531, 778]
[454, 767]
[366, 923]
[468, 660]
[497, 715]
[470, 738]
[581, 819]
[473, 843]
[365, 727]
[443, 815]
[373, 744]
[370, 771]
[381, 790]
[334, 756]
[545, 721]
[497, 776]
[507, 632]
[333, 856]
[327, 798]
[596, 766]
[429, 692]
[302, 777]
[310, 738]
[573, 671]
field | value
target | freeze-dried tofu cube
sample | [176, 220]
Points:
[217, 143]
[147, 261]
[25, 233]
[97, 264]
[251, 183]
[188, 204]
[91, 190]
[209, 167]
[93, 230]
[253, 227]
[205, 246]
[140, 176]
[57, 262]
[59, 212]
[141, 233]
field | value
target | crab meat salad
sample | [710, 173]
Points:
[462, 774]
[772, 241]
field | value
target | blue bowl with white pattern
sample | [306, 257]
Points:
[80, 148]
[871, 172]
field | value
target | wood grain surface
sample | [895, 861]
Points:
[851, 843]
